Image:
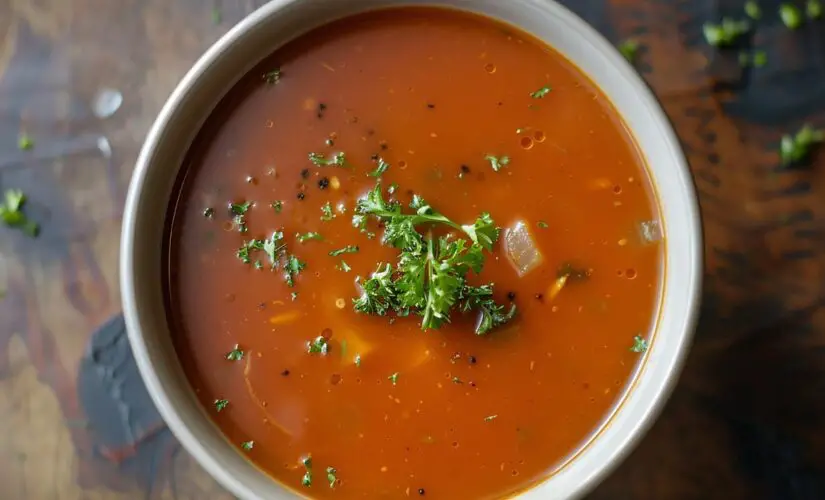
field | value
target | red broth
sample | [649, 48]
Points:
[444, 413]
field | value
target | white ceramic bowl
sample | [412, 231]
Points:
[282, 20]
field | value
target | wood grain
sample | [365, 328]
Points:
[745, 422]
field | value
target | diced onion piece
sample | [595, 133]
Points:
[650, 231]
[520, 248]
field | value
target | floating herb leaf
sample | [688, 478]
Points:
[236, 354]
[346, 249]
[338, 159]
[221, 404]
[498, 162]
[309, 236]
[540, 93]
[639, 344]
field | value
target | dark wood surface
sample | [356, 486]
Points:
[746, 420]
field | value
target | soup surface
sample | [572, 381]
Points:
[473, 117]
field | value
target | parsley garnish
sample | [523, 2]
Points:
[639, 344]
[331, 476]
[221, 404]
[307, 479]
[277, 205]
[380, 169]
[12, 215]
[248, 445]
[259, 264]
[725, 33]
[542, 225]
[338, 159]
[346, 249]
[393, 378]
[430, 277]
[326, 212]
[236, 354]
[292, 267]
[309, 236]
[208, 212]
[628, 49]
[344, 267]
[319, 345]
[273, 77]
[358, 360]
[796, 148]
[25, 142]
[274, 246]
[239, 211]
[498, 163]
[540, 93]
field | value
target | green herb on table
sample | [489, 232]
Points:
[629, 49]
[338, 159]
[326, 212]
[343, 267]
[794, 149]
[498, 162]
[216, 15]
[11, 213]
[382, 167]
[221, 404]
[753, 10]
[639, 344]
[430, 277]
[25, 142]
[236, 354]
[332, 476]
[540, 93]
[309, 236]
[725, 33]
[813, 9]
[277, 205]
[490, 418]
[273, 77]
[791, 15]
[542, 225]
[346, 249]
[247, 445]
[393, 378]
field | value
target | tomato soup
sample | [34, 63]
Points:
[413, 253]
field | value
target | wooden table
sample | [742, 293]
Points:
[75, 422]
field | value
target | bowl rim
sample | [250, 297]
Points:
[576, 483]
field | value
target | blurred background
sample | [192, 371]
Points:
[81, 81]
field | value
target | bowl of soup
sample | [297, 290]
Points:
[389, 249]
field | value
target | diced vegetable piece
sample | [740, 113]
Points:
[521, 249]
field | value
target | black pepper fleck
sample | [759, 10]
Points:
[465, 169]
[472, 359]
[511, 296]
[421, 491]
[285, 373]
[540, 297]
[305, 173]
[301, 195]
[472, 384]
[383, 145]
[431, 105]
[374, 157]
[323, 183]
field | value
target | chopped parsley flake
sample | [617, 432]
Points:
[540, 93]
[542, 225]
[319, 345]
[209, 212]
[498, 163]
[277, 205]
[346, 249]
[11, 213]
[393, 378]
[259, 264]
[236, 354]
[343, 267]
[309, 236]
[294, 296]
[307, 479]
[358, 360]
[293, 267]
[338, 159]
[326, 212]
[239, 211]
[639, 344]
[332, 476]
[306, 461]
[248, 445]
[221, 404]
[382, 167]
[273, 77]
